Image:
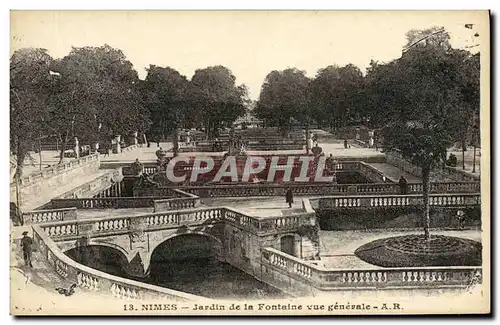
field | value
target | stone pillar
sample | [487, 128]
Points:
[77, 148]
[116, 144]
[297, 246]
[135, 137]
[370, 141]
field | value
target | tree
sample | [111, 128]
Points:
[431, 37]
[215, 95]
[337, 94]
[30, 82]
[284, 98]
[96, 96]
[384, 93]
[165, 94]
[423, 128]
[468, 99]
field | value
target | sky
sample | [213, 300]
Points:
[251, 44]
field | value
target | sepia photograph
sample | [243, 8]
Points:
[204, 163]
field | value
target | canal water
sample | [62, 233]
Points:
[210, 278]
[205, 277]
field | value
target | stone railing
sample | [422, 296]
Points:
[372, 173]
[360, 143]
[98, 227]
[96, 186]
[462, 175]
[56, 169]
[306, 274]
[184, 201]
[106, 202]
[94, 280]
[369, 201]
[331, 162]
[149, 169]
[451, 173]
[44, 216]
[131, 147]
[248, 190]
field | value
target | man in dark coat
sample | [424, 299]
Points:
[26, 244]
[403, 185]
[289, 197]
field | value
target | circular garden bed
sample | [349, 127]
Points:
[417, 251]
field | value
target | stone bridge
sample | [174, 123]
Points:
[234, 237]
[281, 251]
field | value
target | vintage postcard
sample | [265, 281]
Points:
[249, 162]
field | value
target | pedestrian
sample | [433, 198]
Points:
[345, 144]
[106, 150]
[403, 186]
[157, 143]
[26, 244]
[461, 219]
[289, 197]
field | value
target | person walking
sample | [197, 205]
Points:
[461, 219]
[289, 197]
[403, 186]
[26, 244]
[345, 144]
[106, 150]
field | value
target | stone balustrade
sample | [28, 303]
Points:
[44, 216]
[106, 202]
[320, 189]
[371, 201]
[131, 147]
[184, 201]
[94, 280]
[451, 173]
[98, 227]
[279, 265]
[149, 169]
[108, 184]
[56, 169]
[372, 173]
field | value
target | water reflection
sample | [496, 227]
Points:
[205, 277]
[210, 278]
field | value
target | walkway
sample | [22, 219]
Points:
[254, 206]
[33, 290]
[394, 173]
[258, 206]
[337, 247]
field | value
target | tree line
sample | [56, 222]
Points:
[422, 102]
[430, 77]
[94, 93]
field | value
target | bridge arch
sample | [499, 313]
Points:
[288, 244]
[205, 239]
[105, 257]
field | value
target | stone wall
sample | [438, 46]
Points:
[53, 182]
[439, 174]
[395, 217]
